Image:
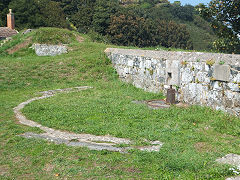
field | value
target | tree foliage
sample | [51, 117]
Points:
[174, 35]
[125, 22]
[83, 17]
[160, 13]
[225, 19]
[35, 13]
[183, 12]
[137, 31]
[52, 14]
[103, 10]
[3, 11]
[27, 14]
[132, 31]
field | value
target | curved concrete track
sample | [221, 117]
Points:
[71, 139]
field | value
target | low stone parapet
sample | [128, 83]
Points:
[49, 50]
[211, 79]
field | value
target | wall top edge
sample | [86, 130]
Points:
[233, 59]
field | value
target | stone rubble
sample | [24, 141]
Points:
[234, 160]
[231, 159]
[234, 178]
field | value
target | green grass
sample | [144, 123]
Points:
[193, 137]
[53, 36]
[17, 39]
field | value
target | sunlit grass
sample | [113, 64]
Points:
[193, 137]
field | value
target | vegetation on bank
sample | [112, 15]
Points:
[147, 21]
[193, 137]
[21, 44]
[224, 17]
[45, 35]
[129, 23]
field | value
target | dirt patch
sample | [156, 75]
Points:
[203, 147]
[80, 39]
[48, 167]
[27, 176]
[4, 170]
[20, 46]
[160, 104]
[131, 170]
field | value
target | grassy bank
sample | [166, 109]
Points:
[193, 137]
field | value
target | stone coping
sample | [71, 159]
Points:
[232, 59]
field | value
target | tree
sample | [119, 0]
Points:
[69, 6]
[52, 14]
[27, 14]
[83, 14]
[171, 34]
[160, 12]
[183, 12]
[3, 12]
[103, 10]
[132, 30]
[225, 19]
[38, 13]
[129, 30]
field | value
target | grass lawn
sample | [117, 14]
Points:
[193, 137]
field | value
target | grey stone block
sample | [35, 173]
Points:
[173, 72]
[221, 73]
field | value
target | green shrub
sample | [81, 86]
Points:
[96, 37]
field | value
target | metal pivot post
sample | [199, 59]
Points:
[171, 95]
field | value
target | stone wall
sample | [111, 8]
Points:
[210, 79]
[49, 50]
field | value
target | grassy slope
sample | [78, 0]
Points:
[54, 36]
[193, 137]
